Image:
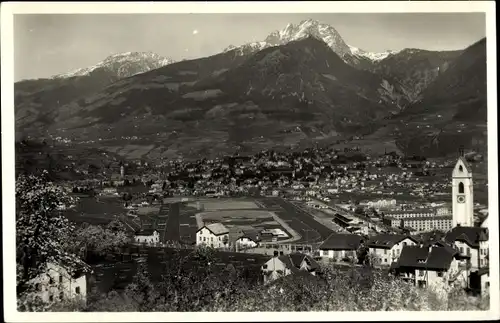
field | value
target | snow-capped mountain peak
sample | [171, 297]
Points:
[123, 64]
[314, 28]
[371, 56]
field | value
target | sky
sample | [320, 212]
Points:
[50, 44]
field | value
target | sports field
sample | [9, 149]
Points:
[310, 230]
[224, 204]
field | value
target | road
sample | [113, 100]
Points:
[172, 232]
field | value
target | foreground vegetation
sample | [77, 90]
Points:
[43, 235]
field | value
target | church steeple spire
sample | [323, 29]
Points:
[461, 151]
[462, 193]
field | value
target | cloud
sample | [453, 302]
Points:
[195, 31]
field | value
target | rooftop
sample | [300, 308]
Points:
[341, 241]
[217, 228]
[471, 235]
[423, 257]
[387, 240]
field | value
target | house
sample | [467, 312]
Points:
[117, 180]
[274, 233]
[109, 191]
[387, 247]
[341, 246]
[484, 223]
[431, 265]
[57, 283]
[472, 243]
[284, 265]
[215, 235]
[484, 274]
[247, 240]
[147, 236]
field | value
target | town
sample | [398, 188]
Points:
[170, 161]
[283, 214]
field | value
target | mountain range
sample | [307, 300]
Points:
[302, 84]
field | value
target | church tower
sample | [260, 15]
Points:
[462, 194]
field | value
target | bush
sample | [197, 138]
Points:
[333, 289]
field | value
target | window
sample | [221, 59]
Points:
[440, 274]
[60, 279]
[461, 249]
[404, 244]
[421, 273]
[385, 251]
[460, 168]
[461, 188]
[77, 290]
[264, 266]
[51, 298]
[325, 252]
[487, 285]
[61, 295]
[482, 262]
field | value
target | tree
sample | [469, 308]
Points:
[362, 254]
[41, 230]
[98, 239]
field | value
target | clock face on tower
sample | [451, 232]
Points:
[461, 199]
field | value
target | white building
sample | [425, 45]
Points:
[109, 191]
[284, 265]
[410, 214]
[149, 237]
[462, 194]
[423, 224]
[436, 266]
[245, 243]
[276, 232]
[381, 204]
[484, 275]
[215, 235]
[386, 248]
[472, 243]
[341, 246]
[58, 284]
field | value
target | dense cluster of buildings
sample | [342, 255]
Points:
[460, 254]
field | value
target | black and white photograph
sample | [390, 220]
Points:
[211, 158]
